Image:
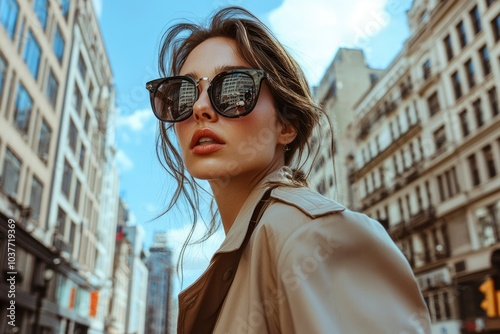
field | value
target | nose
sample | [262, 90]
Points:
[202, 108]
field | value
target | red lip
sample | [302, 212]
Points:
[208, 147]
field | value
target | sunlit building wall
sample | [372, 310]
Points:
[427, 155]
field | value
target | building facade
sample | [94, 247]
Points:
[346, 80]
[58, 180]
[159, 301]
[426, 161]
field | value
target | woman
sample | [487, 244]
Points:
[293, 261]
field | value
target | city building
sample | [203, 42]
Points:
[345, 81]
[58, 179]
[160, 281]
[138, 288]
[426, 157]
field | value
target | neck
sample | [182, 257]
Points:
[231, 193]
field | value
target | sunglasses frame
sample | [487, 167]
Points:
[256, 75]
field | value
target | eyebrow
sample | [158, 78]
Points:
[217, 70]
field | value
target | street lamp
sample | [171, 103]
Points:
[48, 274]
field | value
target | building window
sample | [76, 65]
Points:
[82, 156]
[469, 67]
[8, 16]
[72, 135]
[77, 99]
[489, 2]
[58, 44]
[495, 25]
[440, 137]
[86, 122]
[44, 141]
[11, 172]
[23, 108]
[464, 123]
[76, 198]
[67, 176]
[476, 19]
[487, 224]
[32, 54]
[3, 71]
[426, 69]
[36, 198]
[485, 60]
[457, 86]
[440, 180]
[61, 221]
[462, 36]
[52, 88]
[474, 170]
[41, 11]
[82, 67]
[433, 104]
[493, 99]
[448, 47]
[478, 112]
[490, 161]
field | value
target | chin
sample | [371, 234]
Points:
[215, 171]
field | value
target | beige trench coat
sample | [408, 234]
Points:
[311, 266]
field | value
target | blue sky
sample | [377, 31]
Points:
[311, 30]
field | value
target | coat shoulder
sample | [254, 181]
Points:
[307, 200]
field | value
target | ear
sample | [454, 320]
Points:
[287, 134]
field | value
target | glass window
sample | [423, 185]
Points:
[476, 19]
[433, 103]
[464, 123]
[493, 99]
[440, 137]
[23, 108]
[485, 60]
[82, 67]
[469, 67]
[474, 170]
[457, 86]
[77, 99]
[36, 198]
[76, 198]
[58, 44]
[490, 161]
[32, 53]
[495, 25]
[67, 176]
[448, 47]
[3, 70]
[41, 11]
[52, 88]
[61, 221]
[8, 15]
[426, 69]
[82, 156]
[478, 112]
[462, 36]
[72, 135]
[10, 173]
[44, 141]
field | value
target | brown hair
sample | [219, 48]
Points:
[259, 48]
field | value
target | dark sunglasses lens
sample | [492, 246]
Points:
[174, 99]
[234, 94]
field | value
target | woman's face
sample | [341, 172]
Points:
[215, 147]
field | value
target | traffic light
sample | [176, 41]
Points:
[489, 303]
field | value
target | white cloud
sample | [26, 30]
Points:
[97, 7]
[319, 27]
[137, 120]
[124, 162]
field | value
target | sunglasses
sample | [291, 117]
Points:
[232, 93]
